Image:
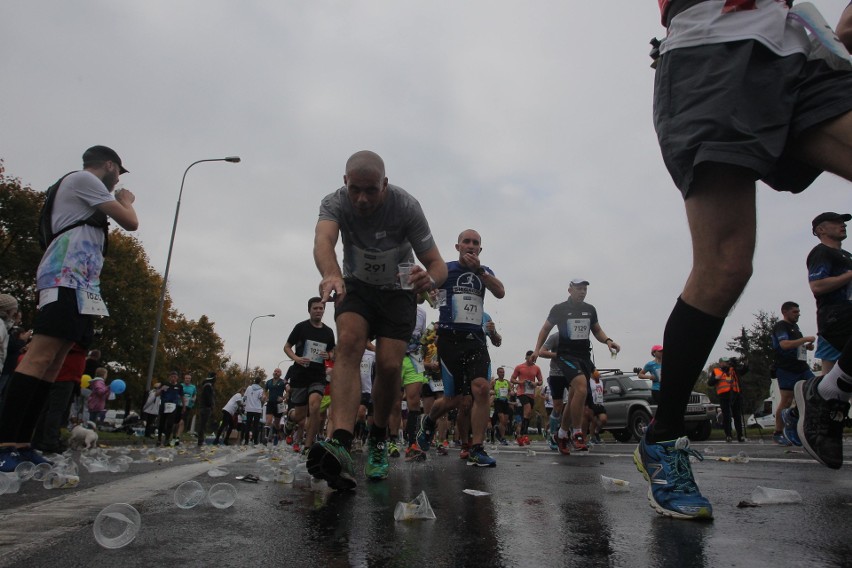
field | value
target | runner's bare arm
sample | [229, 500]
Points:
[435, 273]
[121, 210]
[325, 239]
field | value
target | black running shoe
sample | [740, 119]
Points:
[820, 426]
[329, 460]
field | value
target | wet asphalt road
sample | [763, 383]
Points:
[542, 510]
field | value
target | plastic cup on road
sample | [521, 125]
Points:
[404, 269]
[612, 485]
[117, 525]
[41, 471]
[266, 473]
[189, 494]
[286, 475]
[5, 483]
[14, 483]
[25, 470]
[56, 480]
[222, 495]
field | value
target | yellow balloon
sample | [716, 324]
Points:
[84, 381]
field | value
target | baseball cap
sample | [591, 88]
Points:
[656, 348]
[829, 216]
[579, 282]
[102, 154]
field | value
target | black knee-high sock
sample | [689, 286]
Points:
[689, 337]
[22, 394]
[411, 425]
[37, 406]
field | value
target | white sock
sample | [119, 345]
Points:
[828, 388]
[576, 431]
[563, 433]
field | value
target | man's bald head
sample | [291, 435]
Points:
[365, 161]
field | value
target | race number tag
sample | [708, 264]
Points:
[441, 299]
[802, 353]
[47, 296]
[529, 388]
[467, 308]
[169, 407]
[373, 267]
[437, 385]
[417, 361]
[282, 406]
[579, 328]
[314, 350]
[91, 304]
[503, 392]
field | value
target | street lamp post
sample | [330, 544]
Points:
[248, 351]
[156, 340]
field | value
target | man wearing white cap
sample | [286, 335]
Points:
[68, 283]
[576, 321]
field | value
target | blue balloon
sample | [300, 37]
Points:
[117, 386]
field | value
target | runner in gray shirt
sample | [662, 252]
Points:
[381, 226]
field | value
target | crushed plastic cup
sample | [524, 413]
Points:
[57, 480]
[770, 496]
[709, 450]
[25, 470]
[117, 525]
[117, 464]
[318, 484]
[14, 483]
[417, 509]
[217, 472]
[741, 457]
[41, 471]
[189, 494]
[5, 482]
[285, 475]
[613, 485]
[222, 495]
[530, 452]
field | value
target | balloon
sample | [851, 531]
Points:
[84, 381]
[117, 386]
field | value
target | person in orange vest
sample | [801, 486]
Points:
[726, 378]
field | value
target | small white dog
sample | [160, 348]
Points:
[83, 437]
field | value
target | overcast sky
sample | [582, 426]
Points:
[527, 121]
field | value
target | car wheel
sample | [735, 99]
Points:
[622, 435]
[701, 432]
[638, 422]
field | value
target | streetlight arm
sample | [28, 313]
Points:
[248, 350]
[159, 320]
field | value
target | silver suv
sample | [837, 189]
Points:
[629, 408]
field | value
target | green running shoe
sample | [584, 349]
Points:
[329, 460]
[377, 460]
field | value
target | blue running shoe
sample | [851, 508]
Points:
[554, 425]
[554, 447]
[479, 458]
[329, 460]
[781, 439]
[790, 417]
[10, 459]
[424, 434]
[672, 492]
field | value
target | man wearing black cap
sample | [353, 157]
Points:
[68, 284]
[823, 402]
[576, 321]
